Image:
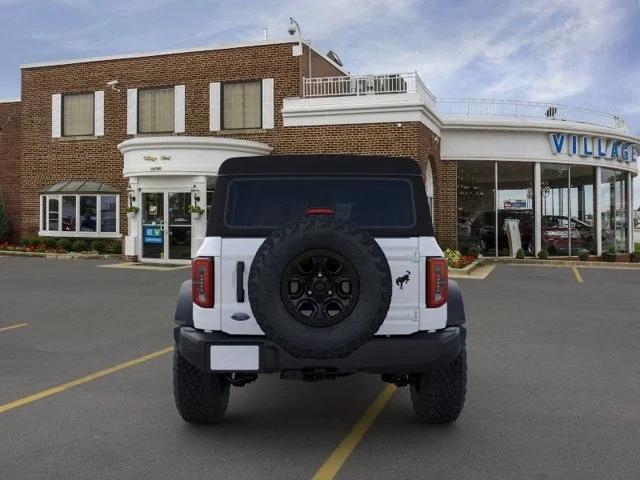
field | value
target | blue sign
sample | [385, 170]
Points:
[590, 146]
[153, 235]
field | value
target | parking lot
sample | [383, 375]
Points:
[553, 386]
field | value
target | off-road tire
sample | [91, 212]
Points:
[200, 397]
[303, 235]
[438, 397]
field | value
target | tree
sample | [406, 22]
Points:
[4, 220]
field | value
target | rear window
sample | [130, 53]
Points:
[375, 203]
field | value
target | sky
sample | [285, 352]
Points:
[577, 52]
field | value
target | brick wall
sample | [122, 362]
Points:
[45, 160]
[9, 162]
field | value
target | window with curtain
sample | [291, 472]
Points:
[77, 114]
[242, 105]
[156, 110]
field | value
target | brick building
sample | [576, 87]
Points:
[91, 137]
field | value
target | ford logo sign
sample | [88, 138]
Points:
[240, 317]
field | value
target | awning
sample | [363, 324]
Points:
[80, 186]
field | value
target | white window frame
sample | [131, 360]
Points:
[78, 233]
[57, 115]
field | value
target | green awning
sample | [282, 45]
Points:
[80, 186]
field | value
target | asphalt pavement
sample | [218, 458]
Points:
[553, 386]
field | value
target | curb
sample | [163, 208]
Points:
[567, 263]
[60, 256]
[469, 268]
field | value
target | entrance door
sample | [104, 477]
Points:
[166, 226]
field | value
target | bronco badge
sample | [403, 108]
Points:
[400, 281]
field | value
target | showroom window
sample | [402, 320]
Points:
[242, 105]
[78, 114]
[156, 110]
[614, 210]
[476, 207]
[516, 217]
[80, 209]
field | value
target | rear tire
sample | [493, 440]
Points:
[438, 397]
[200, 397]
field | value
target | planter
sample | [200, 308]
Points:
[131, 216]
[196, 216]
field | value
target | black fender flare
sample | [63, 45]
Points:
[184, 309]
[455, 305]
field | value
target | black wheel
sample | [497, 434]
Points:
[320, 287]
[200, 397]
[438, 397]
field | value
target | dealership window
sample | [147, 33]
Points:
[71, 209]
[476, 206]
[516, 218]
[582, 202]
[614, 212]
[156, 110]
[242, 105]
[78, 114]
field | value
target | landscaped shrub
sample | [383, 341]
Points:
[79, 246]
[610, 255]
[634, 257]
[4, 221]
[543, 254]
[99, 246]
[474, 251]
[520, 253]
[115, 247]
[453, 258]
[64, 244]
[29, 241]
[583, 255]
[48, 242]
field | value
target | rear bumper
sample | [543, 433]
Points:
[420, 352]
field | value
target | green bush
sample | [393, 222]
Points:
[583, 255]
[635, 257]
[543, 254]
[64, 244]
[99, 246]
[115, 247]
[79, 246]
[520, 253]
[48, 242]
[475, 251]
[30, 241]
[4, 220]
[610, 255]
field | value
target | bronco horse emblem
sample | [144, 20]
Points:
[400, 281]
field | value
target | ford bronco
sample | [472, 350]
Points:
[316, 267]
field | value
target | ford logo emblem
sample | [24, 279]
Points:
[240, 317]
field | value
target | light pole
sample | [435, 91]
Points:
[294, 28]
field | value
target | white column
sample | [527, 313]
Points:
[537, 202]
[131, 243]
[598, 215]
[199, 225]
[630, 222]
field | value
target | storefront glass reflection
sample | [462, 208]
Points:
[476, 207]
[614, 210]
[582, 203]
[554, 203]
[516, 220]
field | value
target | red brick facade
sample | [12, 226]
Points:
[9, 162]
[44, 160]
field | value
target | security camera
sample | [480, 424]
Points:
[112, 85]
[291, 29]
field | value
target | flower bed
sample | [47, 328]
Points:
[456, 260]
[49, 245]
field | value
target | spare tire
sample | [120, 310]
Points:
[320, 287]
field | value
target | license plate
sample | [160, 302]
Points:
[234, 358]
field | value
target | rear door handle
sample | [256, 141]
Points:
[240, 282]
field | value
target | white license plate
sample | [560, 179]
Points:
[234, 358]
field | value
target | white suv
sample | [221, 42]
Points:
[316, 267]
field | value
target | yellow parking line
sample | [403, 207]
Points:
[79, 381]
[19, 325]
[577, 274]
[332, 465]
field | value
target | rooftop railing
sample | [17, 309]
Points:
[402, 83]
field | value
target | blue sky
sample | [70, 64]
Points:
[580, 52]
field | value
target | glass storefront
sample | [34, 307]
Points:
[497, 205]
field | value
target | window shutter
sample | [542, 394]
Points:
[267, 103]
[56, 115]
[132, 111]
[179, 98]
[98, 112]
[214, 106]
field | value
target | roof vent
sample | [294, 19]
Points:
[333, 56]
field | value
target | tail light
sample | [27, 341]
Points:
[202, 282]
[319, 211]
[437, 282]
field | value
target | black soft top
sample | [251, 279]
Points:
[320, 164]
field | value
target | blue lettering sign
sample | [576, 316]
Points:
[586, 147]
[573, 145]
[153, 235]
[601, 147]
[557, 142]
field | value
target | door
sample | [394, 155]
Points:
[166, 226]
[153, 226]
